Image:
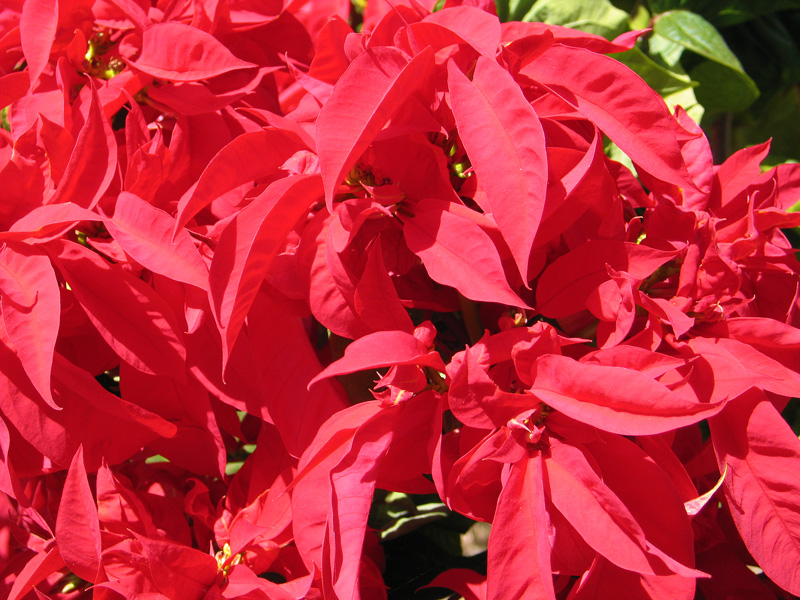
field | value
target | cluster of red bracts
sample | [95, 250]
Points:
[239, 234]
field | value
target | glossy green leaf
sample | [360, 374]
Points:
[722, 89]
[593, 16]
[662, 79]
[694, 33]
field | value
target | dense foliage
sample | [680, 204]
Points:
[288, 306]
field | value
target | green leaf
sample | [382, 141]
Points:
[722, 89]
[661, 79]
[694, 33]
[665, 51]
[723, 84]
[593, 16]
[687, 100]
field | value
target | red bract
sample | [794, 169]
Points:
[264, 280]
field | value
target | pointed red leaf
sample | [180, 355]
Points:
[474, 26]
[519, 548]
[179, 52]
[78, 526]
[475, 398]
[606, 580]
[352, 487]
[145, 232]
[512, 170]
[286, 361]
[382, 349]
[762, 455]
[37, 31]
[739, 170]
[41, 566]
[234, 166]
[179, 572]
[109, 406]
[248, 245]
[457, 252]
[468, 583]
[598, 515]
[614, 399]
[375, 298]
[136, 322]
[620, 103]
[31, 311]
[134, 12]
[48, 222]
[368, 94]
[312, 484]
[566, 284]
[93, 162]
[14, 86]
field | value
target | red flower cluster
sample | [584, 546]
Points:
[204, 202]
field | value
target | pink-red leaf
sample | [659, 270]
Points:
[179, 52]
[48, 222]
[614, 399]
[375, 298]
[519, 549]
[352, 486]
[371, 90]
[468, 583]
[233, 166]
[476, 27]
[78, 526]
[512, 170]
[566, 284]
[179, 572]
[93, 162]
[35, 571]
[598, 515]
[145, 232]
[382, 349]
[457, 252]
[762, 456]
[136, 322]
[37, 30]
[248, 245]
[13, 86]
[620, 103]
[31, 311]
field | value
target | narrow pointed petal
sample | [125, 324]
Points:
[78, 526]
[371, 90]
[512, 170]
[178, 52]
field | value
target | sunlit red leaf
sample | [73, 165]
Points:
[614, 399]
[565, 285]
[234, 166]
[457, 252]
[77, 525]
[93, 162]
[519, 549]
[35, 571]
[37, 30]
[31, 311]
[248, 246]
[178, 52]
[364, 99]
[130, 316]
[512, 170]
[620, 103]
[762, 456]
[145, 232]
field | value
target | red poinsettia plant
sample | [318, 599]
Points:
[258, 270]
